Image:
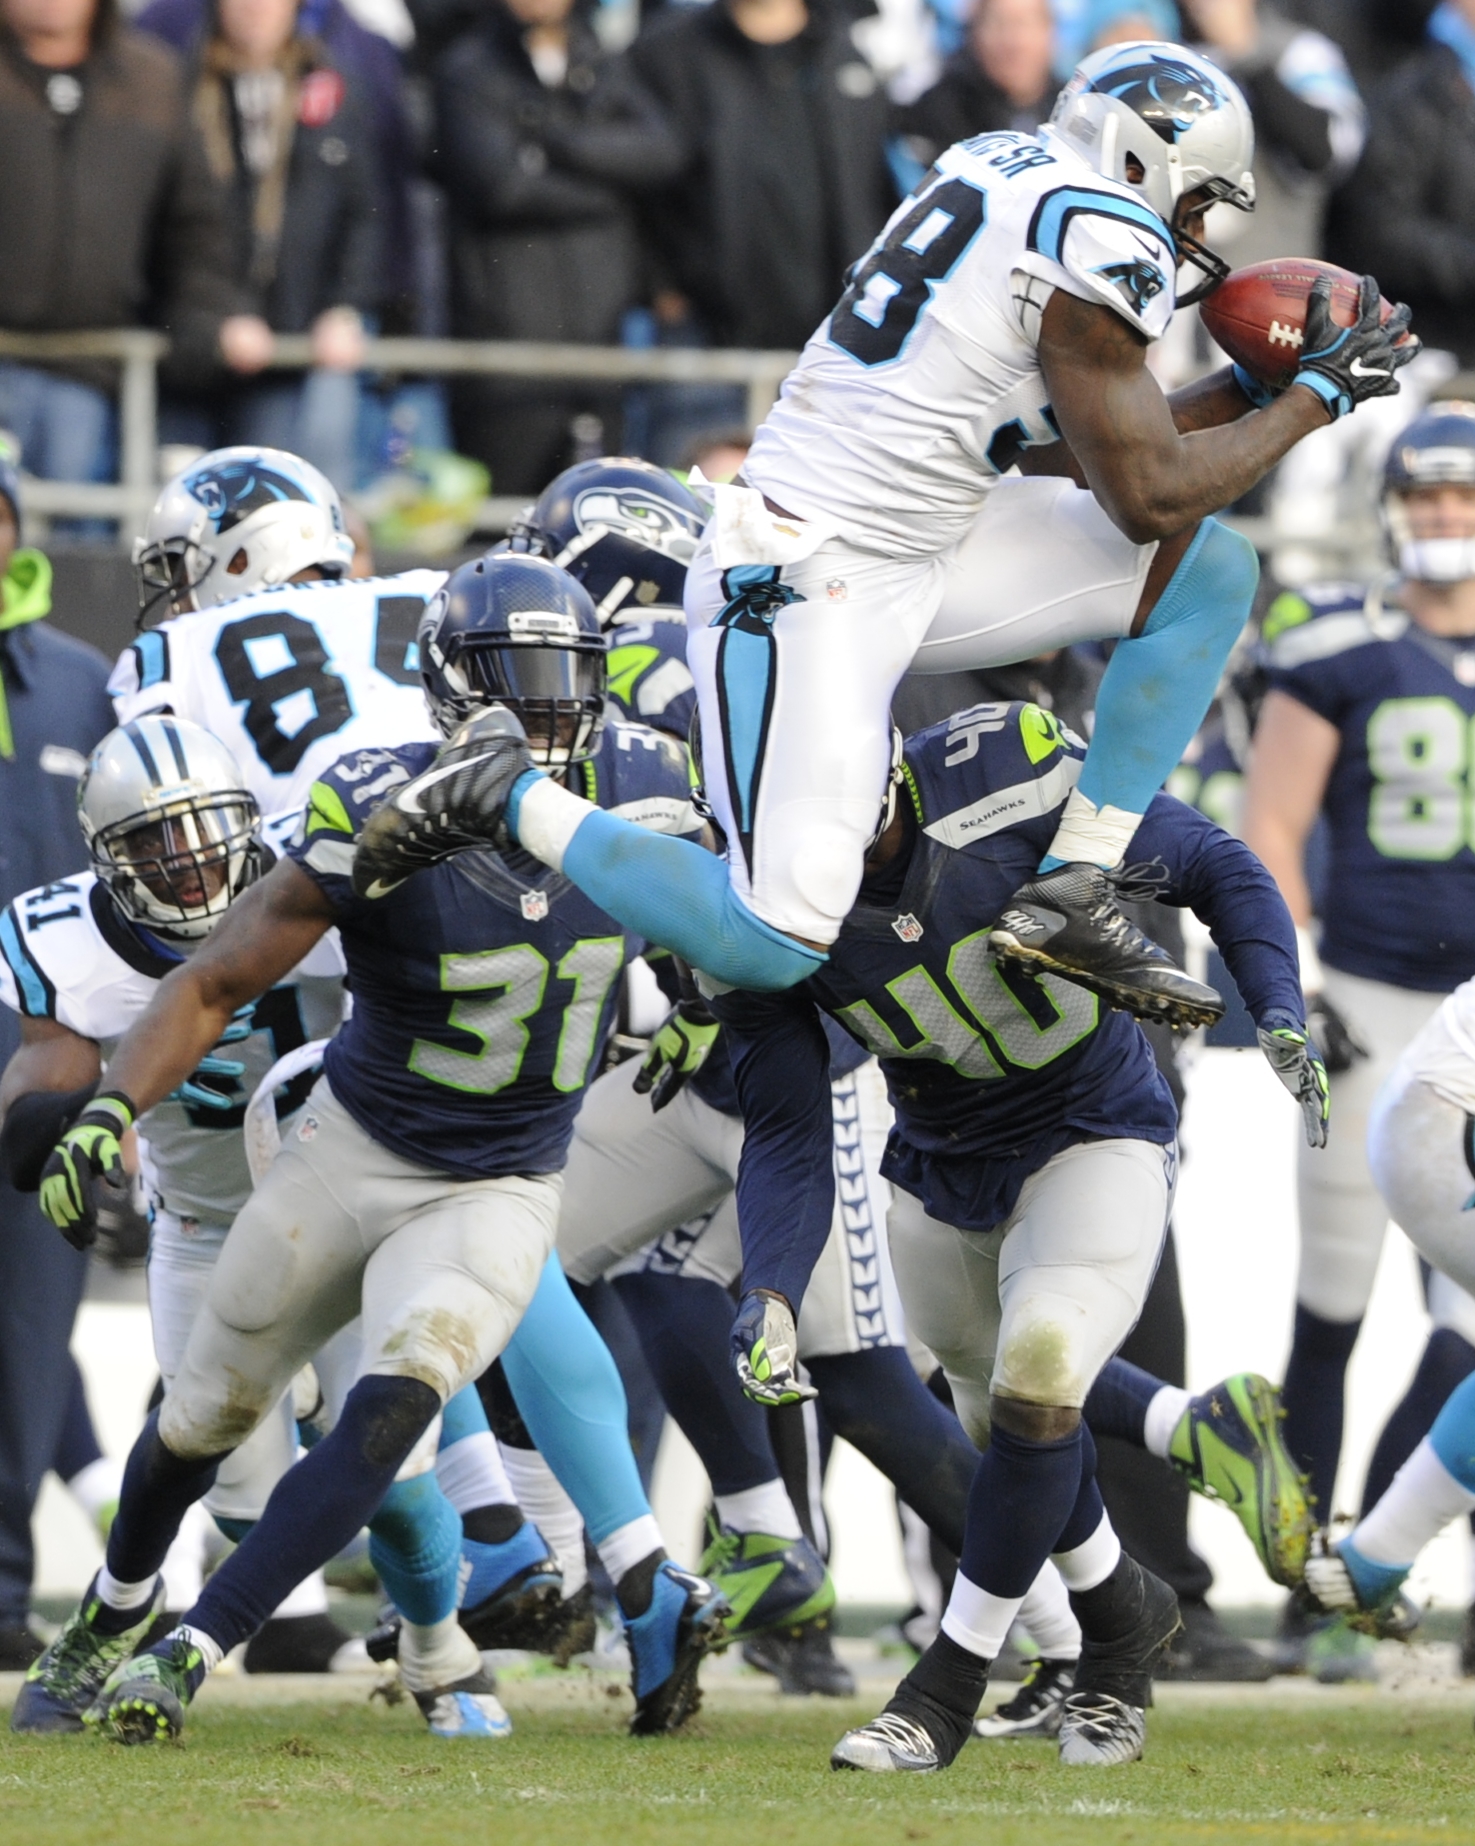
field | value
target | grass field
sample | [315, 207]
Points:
[1299, 1765]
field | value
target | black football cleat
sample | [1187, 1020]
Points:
[1068, 922]
[457, 805]
[1127, 1624]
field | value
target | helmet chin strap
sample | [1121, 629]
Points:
[1437, 560]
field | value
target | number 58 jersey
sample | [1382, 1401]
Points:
[924, 385]
[289, 679]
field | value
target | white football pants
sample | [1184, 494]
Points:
[1419, 1149]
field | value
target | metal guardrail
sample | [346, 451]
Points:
[137, 352]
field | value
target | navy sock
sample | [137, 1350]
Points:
[1446, 1361]
[159, 1488]
[1089, 1509]
[1117, 1405]
[317, 1506]
[876, 1401]
[1022, 1498]
[1314, 1395]
[684, 1325]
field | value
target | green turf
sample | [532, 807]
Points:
[351, 1775]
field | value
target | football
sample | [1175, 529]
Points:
[1258, 315]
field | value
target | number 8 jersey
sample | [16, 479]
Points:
[289, 679]
[1399, 900]
[924, 385]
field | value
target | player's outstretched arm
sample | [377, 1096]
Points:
[1152, 480]
[1205, 404]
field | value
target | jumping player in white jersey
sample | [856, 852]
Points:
[1002, 318]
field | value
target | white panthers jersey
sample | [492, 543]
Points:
[1443, 1053]
[924, 385]
[289, 679]
[66, 954]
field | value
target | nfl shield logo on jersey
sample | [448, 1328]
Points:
[534, 905]
[907, 927]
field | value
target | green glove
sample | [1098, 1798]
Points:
[1293, 1057]
[677, 1052]
[90, 1150]
[765, 1351]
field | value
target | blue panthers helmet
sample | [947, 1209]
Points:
[514, 630]
[1436, 450]
[625, 528]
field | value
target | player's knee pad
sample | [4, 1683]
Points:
[1213, 586]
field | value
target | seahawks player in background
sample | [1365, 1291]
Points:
[174, 840]
[1368, 725]
[420, 1183]
[1006, 308]
[1032, 1169]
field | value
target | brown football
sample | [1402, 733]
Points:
[1258, 315]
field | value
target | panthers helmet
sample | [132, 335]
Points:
[1436, 450]
[624, 528]
[1177, 117]
[238, 520]
[171, 828]
[514, 630]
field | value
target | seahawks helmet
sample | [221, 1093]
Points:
[238, 520]
[1173, 114]
[624, 528]
[509, 629]
[171, 828]
[1436, 450]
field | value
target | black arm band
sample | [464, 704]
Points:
[34, 1123]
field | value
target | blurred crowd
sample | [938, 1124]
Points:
[633, 172]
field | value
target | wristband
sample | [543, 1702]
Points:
[1258, 393]
[120, 1104]
[1333, 396]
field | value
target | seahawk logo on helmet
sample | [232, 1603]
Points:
[171, 829]
[1436, 450]
[238, 520]
[1162, 120]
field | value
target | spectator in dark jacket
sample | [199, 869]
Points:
[1000, 77]
[541, 142]
[1407, 215]
[108, 218]
[289, 143]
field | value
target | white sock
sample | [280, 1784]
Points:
[1420, 1502]
[1164, 1414]
[548, 817]
[470, 1473]
[541, 1497]
[124, 1596]
[766, 1508]
[211, 1652]
[1089, 835]
[625, 1548]
[309, 1598]
[436, 1654]
[978, 1621]
[96, 1487]
[1092, 1562]
[1049, 1618]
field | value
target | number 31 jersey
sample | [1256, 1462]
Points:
[924, 385]
[289, 679]
[1399, 902]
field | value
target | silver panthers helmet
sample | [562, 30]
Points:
[238, 520]
[1167, 110]
[172, 831]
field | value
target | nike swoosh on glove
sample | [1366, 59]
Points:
[1296, 1061]
[1345, 366]
[765, 1350]
[90, 1150]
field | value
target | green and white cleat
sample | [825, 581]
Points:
[145, 1699]
[1228, 1447]
[60, 1687]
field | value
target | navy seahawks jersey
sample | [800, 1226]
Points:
[1399, 893]
[991, 1072]
[648, 676]
[483, 987]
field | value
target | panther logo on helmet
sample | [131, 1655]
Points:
[232, 493]
[1170, 97]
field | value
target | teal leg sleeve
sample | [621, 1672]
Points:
[415, 1545]
[571, 1398]
[1453, 1436]
[463, 1416]
[1159, 685]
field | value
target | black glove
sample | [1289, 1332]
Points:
[1339, 1045]
[1345, 366]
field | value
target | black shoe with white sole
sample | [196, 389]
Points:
[1068, 922]
[1126, 1623]
[927, 1719]
[1036, 1708]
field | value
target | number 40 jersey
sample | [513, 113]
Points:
[289, 679]
[924, 385]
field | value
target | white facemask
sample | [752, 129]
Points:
[1437, 560]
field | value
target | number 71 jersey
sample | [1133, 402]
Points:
[924, 385]
[289, 679]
